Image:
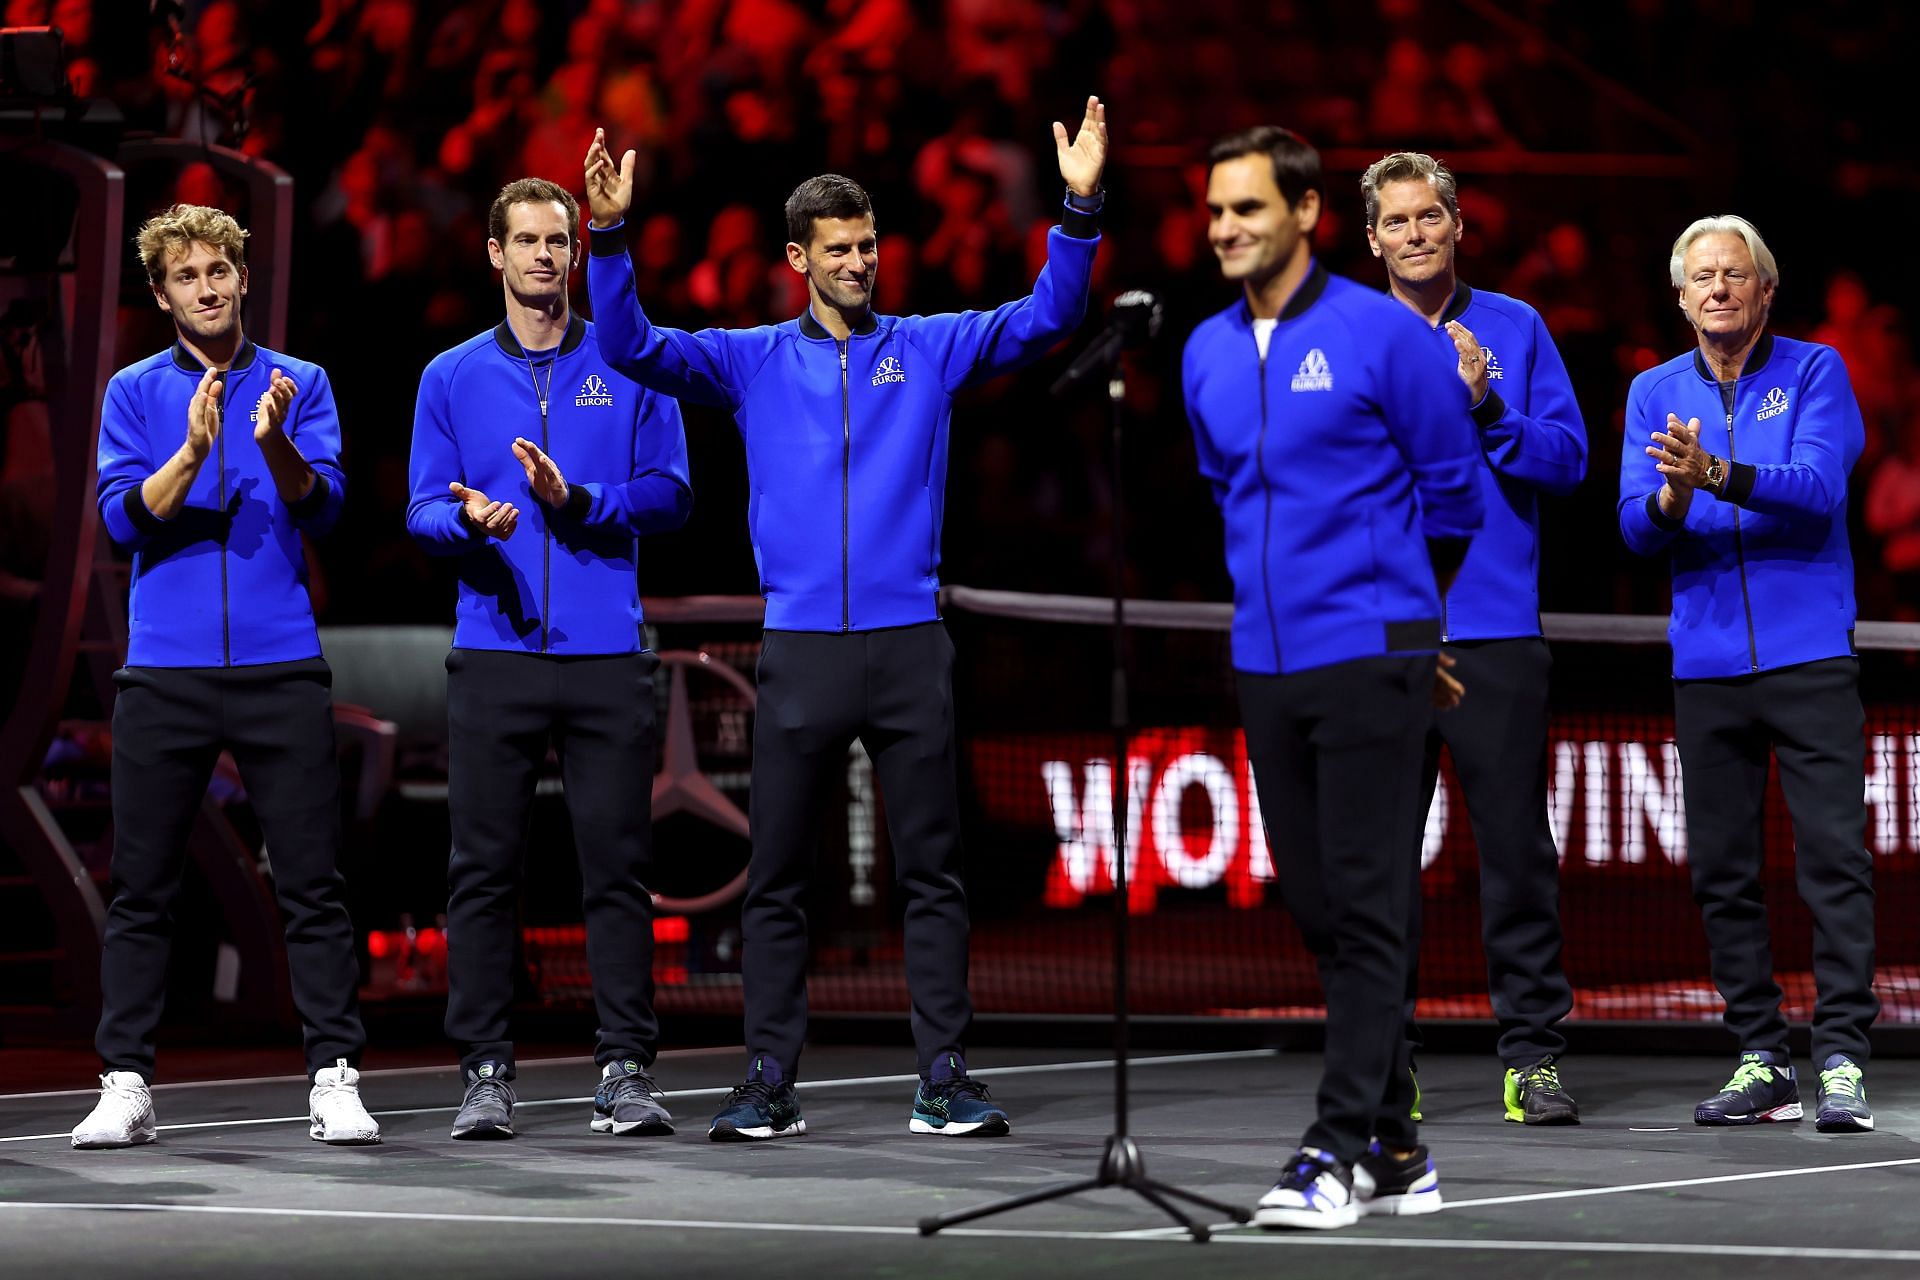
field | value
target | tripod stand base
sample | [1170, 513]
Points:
[1121, 1165]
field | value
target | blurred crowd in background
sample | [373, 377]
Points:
[1582, 148]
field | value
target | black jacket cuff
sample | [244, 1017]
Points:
[1739, 485]
[1079, 223]
[607, 242]
[1490, 409]
[1661, 520]
[311, 501]
[143, 519]
[578, 503]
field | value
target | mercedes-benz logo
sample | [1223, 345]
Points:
[680, 786]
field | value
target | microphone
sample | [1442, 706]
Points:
[1134, 322]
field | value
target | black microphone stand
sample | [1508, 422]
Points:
[1121, 1162]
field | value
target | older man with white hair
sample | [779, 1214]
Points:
[1735, 466]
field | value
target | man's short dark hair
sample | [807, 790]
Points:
[1296, 165]
[531, 191]
[827, 196]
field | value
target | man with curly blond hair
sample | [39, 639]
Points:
[222, 655]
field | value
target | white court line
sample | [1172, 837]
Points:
[847, 1082]
[1531, 1197]
[1295, 1240]
[364, 1075]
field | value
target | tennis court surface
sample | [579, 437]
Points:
[234, 1185]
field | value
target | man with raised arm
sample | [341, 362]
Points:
[222, 655]
[538, 468]
[844, 413]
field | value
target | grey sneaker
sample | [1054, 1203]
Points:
[487, 1110]
[627, 1102]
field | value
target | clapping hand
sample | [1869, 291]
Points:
[543, 473]
[495, 519]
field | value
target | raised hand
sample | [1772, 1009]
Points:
[1082, 160]
[609, 186]
[495, 519]
[543, 473]
[1473, 359]
[271, 413]
[203, 417]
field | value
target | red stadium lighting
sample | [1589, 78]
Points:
[378, 945]
[670, 929]
[429, 942]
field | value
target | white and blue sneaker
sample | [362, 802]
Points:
[1315, 1191]
[1392, 1186]
[1763, 1090]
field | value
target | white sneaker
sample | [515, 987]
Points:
[122, 1118]
[1314, 1191]
[334, 1107]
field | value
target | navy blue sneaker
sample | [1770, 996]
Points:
[487, 1111]
[762, 1108]
[628, 1102]
[1843, 1098]
[954, 1105]
[1763, 1089]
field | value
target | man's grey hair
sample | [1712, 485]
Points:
[1723, 224]
[1404, 166]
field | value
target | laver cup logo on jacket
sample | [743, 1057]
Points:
[1773, 406]
[889, 370]
[593, 391]
[1314, 374]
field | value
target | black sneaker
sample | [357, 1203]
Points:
[954, 1105]
[1534, 1095]
[487, 1110]
[1385, 1184]
[1843, 1098]
[762, 1108]
[627, 1102]
[1763, 1089]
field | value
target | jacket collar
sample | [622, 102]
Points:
[1305, 296]
[811, 327]
[1457, 305]
[1756, 359]
[185, 359]
[576, 334]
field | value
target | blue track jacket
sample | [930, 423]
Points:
[1333, 460]
[565, 582]
[224, 582]
[1532, 441]
[846, 441]
[1762, 575]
